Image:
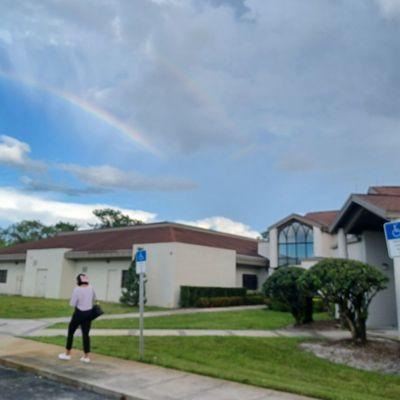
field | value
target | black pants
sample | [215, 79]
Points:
[84, 320]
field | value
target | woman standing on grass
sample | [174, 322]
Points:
[82, 299]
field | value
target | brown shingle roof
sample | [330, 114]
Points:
[385, 190]
[387, 203]
[322, 217]
[124, 238]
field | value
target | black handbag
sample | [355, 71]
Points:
[97, 311]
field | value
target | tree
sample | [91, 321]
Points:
[130, 293]
[2, 239]
[110, 218]
[64, 227]
[32, 230]
[351, 285]
[25, 231]
[283, 286]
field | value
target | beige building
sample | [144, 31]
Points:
[176, 255]
[355, 232]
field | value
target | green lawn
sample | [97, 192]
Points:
[35, 307]
[247, 319]
[275, 363]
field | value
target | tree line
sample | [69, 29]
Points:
[32, 230]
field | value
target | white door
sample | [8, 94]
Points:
[19, 281]
[113, 292]
[41, 281]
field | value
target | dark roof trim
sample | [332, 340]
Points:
[98, 255]
[252, 261]
[297, 217]
[356, 199]
[12, 257]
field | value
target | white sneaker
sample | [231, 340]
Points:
[64, 356]
[85, 359]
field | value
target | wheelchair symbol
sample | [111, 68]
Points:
[396, 231]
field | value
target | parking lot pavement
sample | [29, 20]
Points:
[16, 385]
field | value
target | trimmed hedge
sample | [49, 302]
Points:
[230, 301]
[191, 294]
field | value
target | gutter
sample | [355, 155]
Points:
[99, 255]
[254, 261]
[12, 257]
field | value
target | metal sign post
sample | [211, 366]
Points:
[141, 257]
[392, 234]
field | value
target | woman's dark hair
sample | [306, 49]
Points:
[82, 281]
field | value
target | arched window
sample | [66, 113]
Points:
[295, 243]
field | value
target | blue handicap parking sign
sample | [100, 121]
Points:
[392, 230]
[392, 233]
[141, 255]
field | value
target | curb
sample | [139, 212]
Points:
[58, 377]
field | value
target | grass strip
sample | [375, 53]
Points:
[276, 363]
[36, 307]
[247, 319]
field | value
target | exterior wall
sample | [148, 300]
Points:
[356, 250]
[307, 264]
[161, 273]
[171, 265]
[273, 248]
[47, 273]
[263, 248]
[323, 242]
[44, 273]
[15, 277]
[203, 266]
[105, 276]
[382, 311]
[262, 275]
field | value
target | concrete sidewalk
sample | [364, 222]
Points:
[334, 334]
[127, 379]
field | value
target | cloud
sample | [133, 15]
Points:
[15, 153]
[195, 75]
[389, 8]
[100, 179]
[16, 206]
[222, 224]
[108, 177]
[5, 36]
[35, 185]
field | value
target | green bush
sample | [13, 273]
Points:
[276, 305]
[351, 285]
[191, 294]
[230, 301]
[254, 299]
[319, 305]
[286, 293]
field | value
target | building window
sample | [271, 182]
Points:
[124, 280]
[295, 243]
[3, 276]
[250, 281]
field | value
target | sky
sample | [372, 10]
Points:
[225, 114]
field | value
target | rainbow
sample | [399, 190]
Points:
[211, 104]
[90, 108]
